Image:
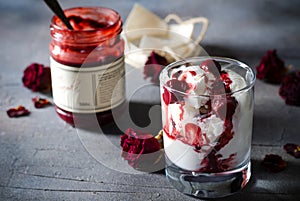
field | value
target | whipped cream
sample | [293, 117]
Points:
[194, 128]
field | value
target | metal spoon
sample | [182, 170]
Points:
[55, 7]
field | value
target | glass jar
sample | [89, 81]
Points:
[87, 65]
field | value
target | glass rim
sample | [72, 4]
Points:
[218, 58]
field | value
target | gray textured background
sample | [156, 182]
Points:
[42, 158]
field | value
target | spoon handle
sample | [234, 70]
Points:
[55, 7]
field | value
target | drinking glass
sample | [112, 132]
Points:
[207, 125]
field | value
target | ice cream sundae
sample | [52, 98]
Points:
[207, 116]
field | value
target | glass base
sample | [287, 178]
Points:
[208, 185]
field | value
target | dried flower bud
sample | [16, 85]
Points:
[141, 150]
[37, 77]
[154, 66]
[271, 68]
[290, 88]
[274, 163]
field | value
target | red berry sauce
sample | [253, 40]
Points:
[80, 23]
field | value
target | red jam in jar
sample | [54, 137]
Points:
[87, 65]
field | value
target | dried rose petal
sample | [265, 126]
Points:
[292, 149]
[290, 88]
[274, 163]
[154, 66]
[17, 112]
[37, 77]
[271, 68]
[40, 102]
[135, 144]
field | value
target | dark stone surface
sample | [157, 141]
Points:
[42, 158]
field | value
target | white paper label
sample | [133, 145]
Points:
[88, 89]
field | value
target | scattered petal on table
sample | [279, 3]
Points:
[40, 102]
[141, 149]
[274, 163]
[292, 149]
[18, 111]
